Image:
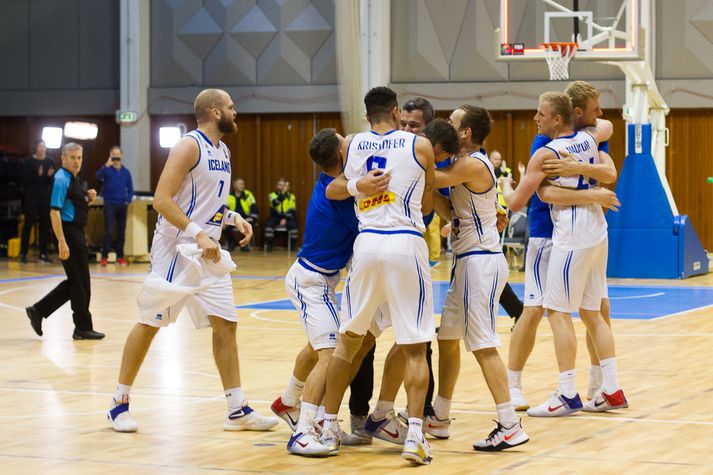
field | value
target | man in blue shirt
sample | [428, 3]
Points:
[69, 209]
[117, 190]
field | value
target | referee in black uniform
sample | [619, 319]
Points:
[70, 206]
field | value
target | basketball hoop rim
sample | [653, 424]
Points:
[564, 47]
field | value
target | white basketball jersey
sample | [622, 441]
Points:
[399, 208]
[475, 214]
[204, 193]
[581, 226]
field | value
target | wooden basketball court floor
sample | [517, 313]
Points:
[55, 391]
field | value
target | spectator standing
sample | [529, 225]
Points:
[118, 191]
[283, 213]
[243, 202]
[70, 207]
[37, 172]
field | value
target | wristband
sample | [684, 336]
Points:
[428, 218]
[352, 187]
[230, 216]
[192, 230]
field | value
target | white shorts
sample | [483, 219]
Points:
[390, 269]
[576, 279]
[313, 296]
[217, 300]
[472, 302]
[536, 261]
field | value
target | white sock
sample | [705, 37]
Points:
[506, 414]
[415, 425]
[595, 375]
[515, 379]
[442, 408]
[382, 407]
[293, 392]
[610, 381]
[234, 398]
[330, 422]
[568, 383]
[121, 391]
[308, 413]
[320, 413]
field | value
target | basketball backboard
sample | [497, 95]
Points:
[605, 30]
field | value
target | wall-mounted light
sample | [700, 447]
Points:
[169, 136]
[52, 137]
[80, 130]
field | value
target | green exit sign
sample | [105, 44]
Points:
[127, 117]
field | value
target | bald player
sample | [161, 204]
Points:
[191, 198]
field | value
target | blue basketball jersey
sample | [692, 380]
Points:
[330, 229]
[539, 211]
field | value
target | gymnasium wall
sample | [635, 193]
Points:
[59, 56]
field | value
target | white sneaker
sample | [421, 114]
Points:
[432, 425]
[416, 449]
[502, 438]
[557, 405]
[120, 417]
[605, 402]
[389, 428]
[246, 418]
[307, 444]
[330, 439]
[290, 414]
[518, 401]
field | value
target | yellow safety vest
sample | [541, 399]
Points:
[287, 205]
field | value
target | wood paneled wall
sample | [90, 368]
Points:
[21, 133]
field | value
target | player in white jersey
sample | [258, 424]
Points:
[479, 276]
[191, 198]
[390, 263]
[577, 270]
[586, 110]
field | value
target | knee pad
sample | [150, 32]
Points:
[348, 346]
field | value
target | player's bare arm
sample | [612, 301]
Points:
[424, 155]
[566, 165]
[375, 182]
[181, 159]
[442, 207]
[565, 196]
[517, 198]
[466, 170]
[601, 131]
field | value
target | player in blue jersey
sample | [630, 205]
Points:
[586, 109]
[330, 231]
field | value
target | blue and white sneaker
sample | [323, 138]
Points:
[120, 417]
[557, 405]
[389, 428]
[307, 444]
[246, 418]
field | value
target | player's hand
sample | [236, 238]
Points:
[506, 183]
[502, 220]
[108, 162]
[91, 195]
[63, 250]
[607, 199]
[375, 182]
[211, 249]
[521, 169]
[446, 230]
[245, 228]
[564, 166]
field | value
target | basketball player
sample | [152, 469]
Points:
[191, 197]
[330, 230]
[576, 274]
[480, 274]
[390, 261]
[586, 109]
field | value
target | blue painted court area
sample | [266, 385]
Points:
[627, 301]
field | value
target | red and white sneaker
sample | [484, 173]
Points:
[432, 425]
[602, 401]
[389, 428]
[502, 438]
[289, 414]
[122, 262]
[103, 262]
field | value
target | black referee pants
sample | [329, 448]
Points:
[76, 288]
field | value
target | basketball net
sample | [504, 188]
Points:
[558, 56]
